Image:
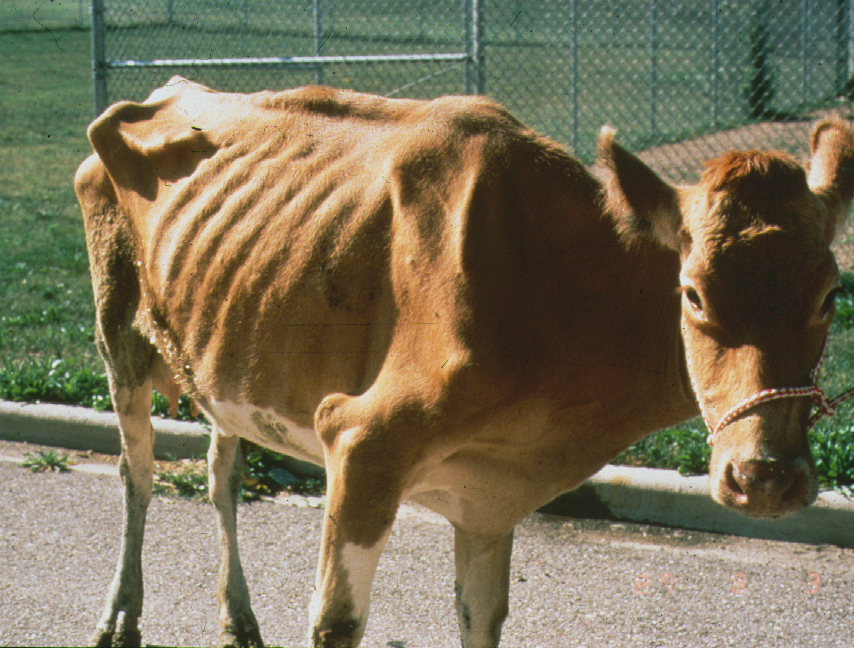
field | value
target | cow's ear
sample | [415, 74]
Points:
[831, 170]
[642, 205]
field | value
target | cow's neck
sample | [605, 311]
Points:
[617, 350]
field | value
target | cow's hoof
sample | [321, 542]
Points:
[124, 634]
[341, 634]
[241, 638]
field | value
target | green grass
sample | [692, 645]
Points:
[681, 448]
[67, 382]
[46, 309]
[263, 476]
[19, 15]
[47, 351]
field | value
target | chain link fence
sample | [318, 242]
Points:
[416, 48]
[682, 80]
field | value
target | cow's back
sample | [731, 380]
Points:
[289, 245]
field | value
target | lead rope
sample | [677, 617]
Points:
[825, 406]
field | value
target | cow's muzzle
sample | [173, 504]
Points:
[760, 488]
[770, 487]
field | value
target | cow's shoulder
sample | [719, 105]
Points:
[477, 151]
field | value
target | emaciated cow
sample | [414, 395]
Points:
[440, 305]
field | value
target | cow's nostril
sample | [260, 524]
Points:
[734, 485]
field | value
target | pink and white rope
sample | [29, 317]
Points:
[825, 406]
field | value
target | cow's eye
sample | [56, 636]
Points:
[692, 296]
[830, 301]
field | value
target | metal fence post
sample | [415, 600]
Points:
[467, 69]
[715, 62]
[573, 17]
[843, 45]
[99, 68]
[849, 37]
[318, 36]
[653, 65]
[805, 42]
[760, 94]
[475, 64]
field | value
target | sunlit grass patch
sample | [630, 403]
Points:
[66, 382]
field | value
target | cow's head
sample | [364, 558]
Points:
[758, 282]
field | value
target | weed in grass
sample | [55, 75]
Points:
[844, 312]
[190, 480]
[71, 382]
[58, 381]
[844, 318]
[46, 461]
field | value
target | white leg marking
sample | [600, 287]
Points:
[342, 593]
[482, 587]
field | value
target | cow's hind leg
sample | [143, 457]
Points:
[482, 586]
[128, 357]
[238, 626]
[119, 622]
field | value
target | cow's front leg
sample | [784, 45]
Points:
[363, 492]
[119, 623]
[348, 560]
[238, 626]
[339, 607]
[482, 586]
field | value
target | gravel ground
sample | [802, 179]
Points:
[576, 583]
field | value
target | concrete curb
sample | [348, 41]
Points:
[665, 497]
[616, 492]
[79, 428]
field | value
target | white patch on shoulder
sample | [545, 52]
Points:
[267, 428]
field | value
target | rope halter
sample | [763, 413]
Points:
[824, 405]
